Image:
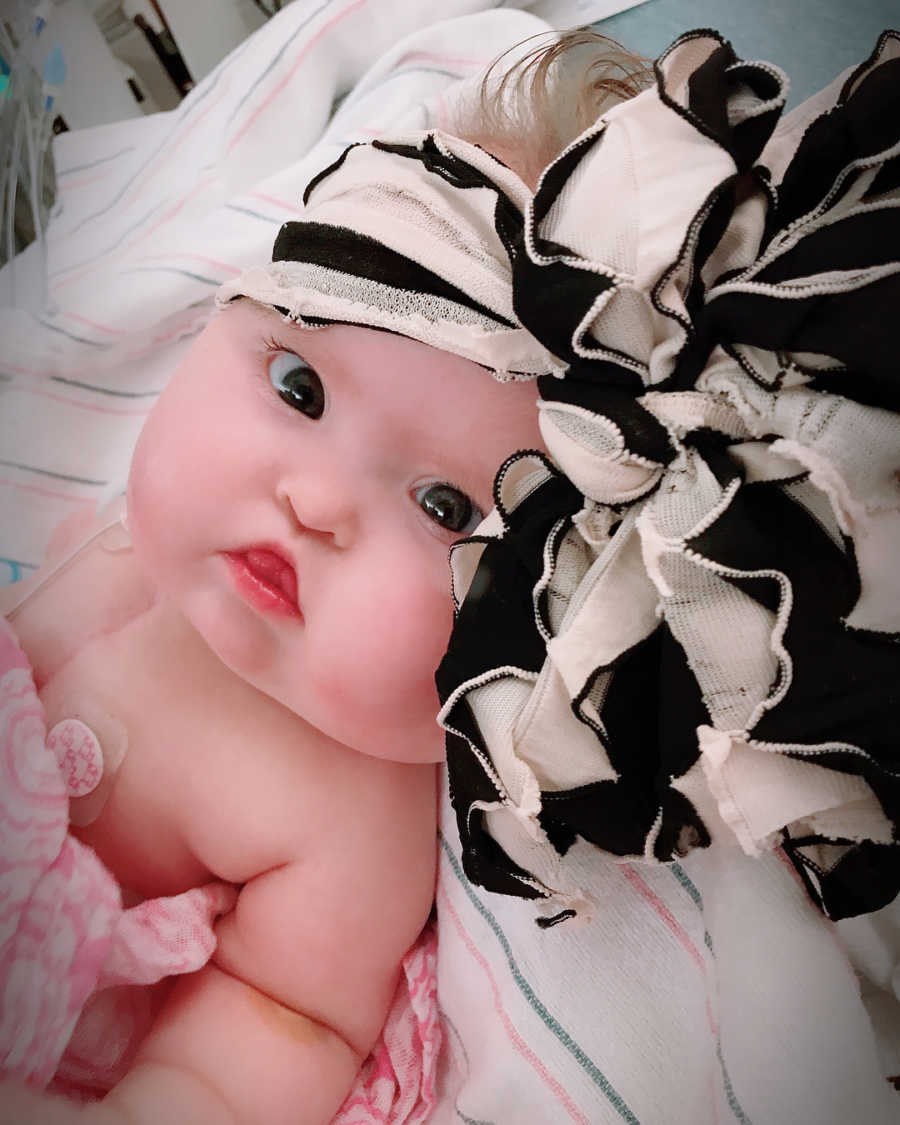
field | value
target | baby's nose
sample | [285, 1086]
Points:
[324, 503]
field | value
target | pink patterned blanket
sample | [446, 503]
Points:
[73, 960]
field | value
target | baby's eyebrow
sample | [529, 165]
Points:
[267, 313]
[273, 321]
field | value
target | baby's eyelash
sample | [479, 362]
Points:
[272, 345]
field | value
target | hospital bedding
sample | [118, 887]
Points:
[704, 991]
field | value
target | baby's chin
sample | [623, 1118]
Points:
[371, 717]
[427, 749]
[408, 735]
[389, 712]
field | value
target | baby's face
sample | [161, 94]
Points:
[296, 492]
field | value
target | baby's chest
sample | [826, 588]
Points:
[204, 778]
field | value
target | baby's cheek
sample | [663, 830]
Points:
[157, 486]
[144, 512]
[382, 662]
[415, 630]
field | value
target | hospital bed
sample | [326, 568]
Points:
[700, 991]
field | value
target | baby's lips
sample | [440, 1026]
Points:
[275, 570]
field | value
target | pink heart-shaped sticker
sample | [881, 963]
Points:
[77, 750]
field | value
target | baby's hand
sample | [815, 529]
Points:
[222, 1053]
[20, 1105]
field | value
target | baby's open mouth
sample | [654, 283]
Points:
[266, 579]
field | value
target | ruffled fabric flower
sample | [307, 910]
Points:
[682, 627]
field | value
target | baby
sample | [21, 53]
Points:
[251, 647]
[255, 643]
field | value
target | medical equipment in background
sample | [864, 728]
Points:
[124, 58]
[32, 72]
[139, 36]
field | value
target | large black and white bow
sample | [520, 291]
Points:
[683, 626]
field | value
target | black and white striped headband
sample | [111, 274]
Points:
[414, 235]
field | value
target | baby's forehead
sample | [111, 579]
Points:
[423, 377]
[337, 338]
[254, 316]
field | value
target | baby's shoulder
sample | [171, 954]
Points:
[370, 834]
[89, 585]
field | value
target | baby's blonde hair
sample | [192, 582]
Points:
[528, 114]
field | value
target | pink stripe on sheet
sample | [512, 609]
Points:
[279, 86]
[48, 492]
[16, 370]
[445, 60]
[91, 407]
[104, 262]
[271, 199]
[233, 270]
[175, 143]
[785, 859]
[193, 324]
[142, 181]
[93, 324]
[646, 892]
[85, 180]
[517, 1041]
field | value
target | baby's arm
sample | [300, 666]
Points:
[276, 1027]
[221, 1053]
[225, 1052]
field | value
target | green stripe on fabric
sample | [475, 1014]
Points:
[255, 214]
[60, 172]
[733, 1104]
[49, 473]
[688, 884]
[174, 269]
[693, 891]
[103, 390]
[586, 1063]
[102, 344]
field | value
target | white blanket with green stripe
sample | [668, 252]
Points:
[706, 992]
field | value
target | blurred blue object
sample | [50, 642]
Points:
[812, 40]
[42, 11]
[55, 67]
[54, 73]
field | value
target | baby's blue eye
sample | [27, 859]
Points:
[297, 383]
[448, 507]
